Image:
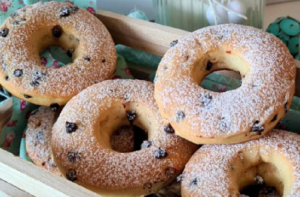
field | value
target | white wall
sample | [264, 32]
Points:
[274, 11]
[125, 6]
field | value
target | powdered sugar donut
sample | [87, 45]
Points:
[202, 116]
[38, 138]
[224, 170]
[39, 132]
[84, 129]
[33, 28]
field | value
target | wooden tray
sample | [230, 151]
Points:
[19, 178]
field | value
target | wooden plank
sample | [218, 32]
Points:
[5, 113]
[37, 181]
[150, 37]
[8, 190]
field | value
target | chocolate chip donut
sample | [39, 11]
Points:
[84, 129]
[268, 83]
[39, 132]
[225, 170]
[33, 28]
[38, 138]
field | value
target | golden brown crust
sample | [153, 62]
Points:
[38, 139]
[224, 170]
[249, 112]
[97, 112]
[30, 30]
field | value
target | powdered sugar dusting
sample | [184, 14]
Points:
[20, 50]
[100, 166]
[38, 138]
[268, 85]
[211, 164]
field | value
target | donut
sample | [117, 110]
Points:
[39, 132]
[81, 140]
[33, 28]
[201, 116]
[225, 170]
[38, 138]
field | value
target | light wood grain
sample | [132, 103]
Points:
[5, 113]
[8, 190]
[37, 181]
[150, 37]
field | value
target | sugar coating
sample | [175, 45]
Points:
[19, 50]
[267, 87]
[99, 165]
[211, 164]
[38, 138]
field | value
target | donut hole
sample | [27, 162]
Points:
[58, 54]
[262, 171]
[115, 127]
[217, 62]
[128, 138]
[57, 42]
[209, 79]
[265, 181]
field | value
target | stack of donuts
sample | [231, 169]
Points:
[133, 137]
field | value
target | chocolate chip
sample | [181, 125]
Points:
[224, 124]
[27, 96]
[74, 8]
[194, 182]
[274, 118]
[4, 32]
[73, 157]
[147, 186]
[257, 128]
[131, 116]
[71, 175]
[35, 83]
[18, 72]
[205, 99]
[71, 127]
[70, 52]
[13, 15]
[6, 78]
[65, 11]
[170, 172]
[87, 58]
[286, 107]
[160, 153]
[44, 163]
[169, 129]
[228, 52]
[173, 43]
[16, 22]
[209, 65]
[179, 179]
[57, 31]
[103, 60]
[54, 107]
[146, 144]
[180, 116]
[40, 136]
[37, 78]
